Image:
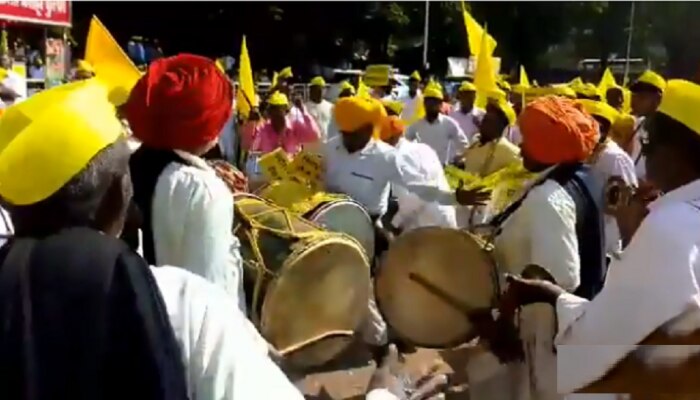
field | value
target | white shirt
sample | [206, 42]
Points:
[512, 133]
[443, 135]
[467, 121]
[654, 281]
[6, 227]
[192, 219]
[413, 212]
[613, 161]
[410, 104]
[322, 113]
[17, 84]
[366, 174]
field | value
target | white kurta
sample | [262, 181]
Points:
[543, 232]
[6, 228]
[613, 161]
[654, 281]
[322, 113]
[443, 135]
[410, 104]
[192, 216]
[413, 212]
[468, 122]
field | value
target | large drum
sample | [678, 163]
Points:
[429, 279]
[307, 289]
[334, 212]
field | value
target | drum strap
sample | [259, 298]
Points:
[146, 165]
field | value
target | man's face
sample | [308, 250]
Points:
[413, 85]
[356, 141]
[492, 125]
[614, 98]
[432, 106]
[466, 99]
[277, 113]
[345, 93]
[316, 93]
[644, 102]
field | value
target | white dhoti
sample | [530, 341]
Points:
[374, 329]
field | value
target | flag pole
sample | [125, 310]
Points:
[629, 46]
[425, 34]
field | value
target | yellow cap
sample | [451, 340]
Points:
[286, 73]
[600, 109]
[653, 79]
[466, 86]
[50, 137]
[576, 83]
[433, 90]
[318, 81]
[278, 99]
[503, 85]
[393, 105]
[352, 113]
[345, 85]
[588, 90]
[496, 94]
[84, 66]
[415, 76]
[563, 91]
[681, 102]
[506, 109]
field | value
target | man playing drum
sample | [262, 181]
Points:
[653, 285]
[556, 225]
[177, 110]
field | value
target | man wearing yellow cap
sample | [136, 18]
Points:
[609, 160]
[320, 109]
[647, 92]
[468, 116]
[441, 132]
[102, 320]
[412, 98]
[657, 272]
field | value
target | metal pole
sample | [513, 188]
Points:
[629, 45]
[425, 34]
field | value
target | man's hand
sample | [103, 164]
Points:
[521, 292]
[254, 114]
[501, 336]
[630, 216]
[473, 197]
[389, 376]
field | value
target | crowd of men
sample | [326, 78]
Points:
[87, 316]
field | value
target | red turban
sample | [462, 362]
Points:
[182, 102]
[557, 130]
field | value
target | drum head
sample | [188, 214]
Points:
[452, 261]
[322, 288]
[348, 217]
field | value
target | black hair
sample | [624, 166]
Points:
[80, 202]
[501, 114]
[665, 130]
[603, 126]
[643, 87]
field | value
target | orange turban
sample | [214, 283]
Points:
[392, 127]
[352, 113]
[557, 130]
[182, 102]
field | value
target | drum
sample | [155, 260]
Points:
[429, 279]
[334, 212]
[307, 289]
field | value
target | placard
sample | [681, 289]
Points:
[307, 167]
[274, 165]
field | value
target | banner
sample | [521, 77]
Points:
[52, 12]
[458, 67]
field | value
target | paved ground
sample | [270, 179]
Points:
[347, 378]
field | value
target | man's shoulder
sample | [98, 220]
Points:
[447, 120]
[191, 178]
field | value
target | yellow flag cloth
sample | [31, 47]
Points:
[475, 33]
[245, 96]
[485, 74]
[681, 102]
[524, 80]
[111, 64]
[607, 81]
[50, 137]
[419, 112]
[363, 90]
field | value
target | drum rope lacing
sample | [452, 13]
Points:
[251, 220]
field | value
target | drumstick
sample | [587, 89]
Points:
[441, 294]
[327, 335]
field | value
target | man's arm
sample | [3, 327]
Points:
[306, 128]
[652, 283]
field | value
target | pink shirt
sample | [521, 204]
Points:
[261, 137]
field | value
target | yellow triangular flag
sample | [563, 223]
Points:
[607, 81]
[418, 113]
[245, 96]
[485, 74]
[112, 66]
[524, 80]
[475, 33]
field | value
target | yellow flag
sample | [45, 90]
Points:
[475, 33]
[524, 80]
[112, 66]
[607, 81]
[485, 74]
[245, 96]
[363, 90]
[418, 113]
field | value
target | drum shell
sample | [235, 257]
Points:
[315, 282]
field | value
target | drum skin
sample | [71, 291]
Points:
[348, 217]
[314, 285]
[453, 261]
